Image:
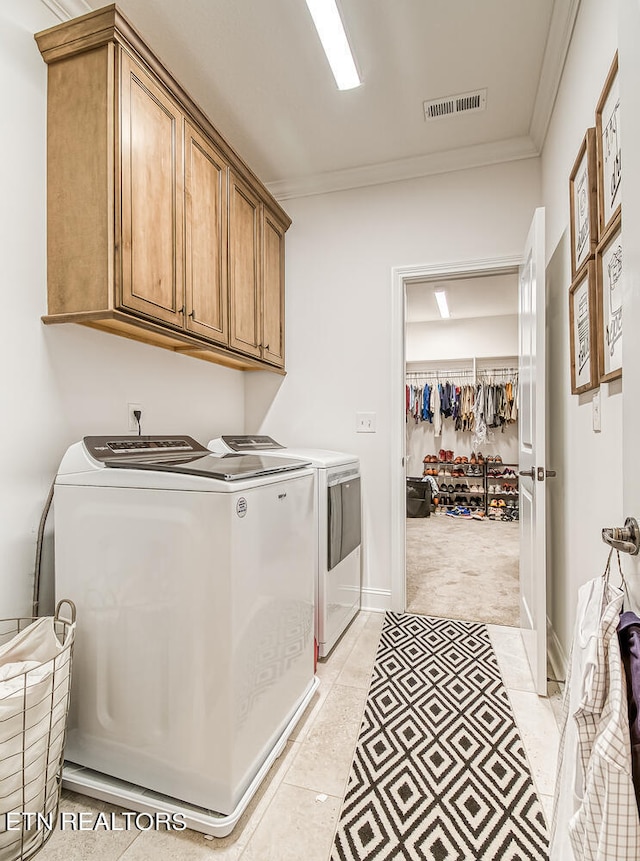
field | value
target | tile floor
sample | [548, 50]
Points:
[296, 810]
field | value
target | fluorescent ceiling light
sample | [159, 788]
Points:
[441, 299]
[334, 41]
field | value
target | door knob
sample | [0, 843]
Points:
[545, 473]
[541, 472]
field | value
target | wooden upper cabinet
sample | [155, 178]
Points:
[244, 268]
[273, 289]
[156, 228]
[152, 196]
[206, 182]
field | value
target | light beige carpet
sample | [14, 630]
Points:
[463, 569]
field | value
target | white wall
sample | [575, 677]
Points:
[341, 249]
[587, 494]
[62, 382]
[480, 337]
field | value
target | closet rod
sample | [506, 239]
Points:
[464, 372]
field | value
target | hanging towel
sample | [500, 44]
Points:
[595, 815]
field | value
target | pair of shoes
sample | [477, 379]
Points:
[479, 515]
[473, 459]
[480, 458]
[442, 455]
[459, 511]
[497, 459]
[493, 503]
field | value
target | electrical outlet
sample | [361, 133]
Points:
[132, 421]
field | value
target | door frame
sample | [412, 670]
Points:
[400, 277]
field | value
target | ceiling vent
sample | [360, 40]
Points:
[463, 103]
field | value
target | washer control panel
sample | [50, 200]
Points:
[104, 448]
[241, 443]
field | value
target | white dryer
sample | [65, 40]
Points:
[193, 577]
[338, 529]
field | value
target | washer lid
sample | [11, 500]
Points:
[319, 458]
[182, 454]
[227, 467]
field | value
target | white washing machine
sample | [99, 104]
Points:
[193, 577]
[338, 526]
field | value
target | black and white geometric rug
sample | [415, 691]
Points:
[439, 772]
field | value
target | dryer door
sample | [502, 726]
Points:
[344, 516]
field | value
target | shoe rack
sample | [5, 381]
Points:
[461, 480]
[480, 484]
[502, 491]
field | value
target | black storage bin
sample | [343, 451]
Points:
[418, 498]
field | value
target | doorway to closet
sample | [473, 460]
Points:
[461, 448]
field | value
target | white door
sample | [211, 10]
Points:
[531, 439]
[629, 71]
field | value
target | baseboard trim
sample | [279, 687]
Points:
[558, 660]
[375, 600]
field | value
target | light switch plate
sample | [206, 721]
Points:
[596, 414]
[365, 422]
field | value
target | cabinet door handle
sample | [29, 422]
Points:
[266, 346]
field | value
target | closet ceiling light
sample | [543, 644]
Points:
[441, 299]
[334, 41]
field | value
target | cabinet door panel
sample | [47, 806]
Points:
[273, 291]
[244, 277]
[206, 175]
[152, 209]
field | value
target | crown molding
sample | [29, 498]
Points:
[563, 20]
[463, 158]
[64, 10]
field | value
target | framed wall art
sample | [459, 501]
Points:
[583, 320]
[609, 150]
[609, 275]
[583, 198]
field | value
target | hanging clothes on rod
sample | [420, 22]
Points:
[474, 401]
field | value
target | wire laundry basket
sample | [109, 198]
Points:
[35, 685]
